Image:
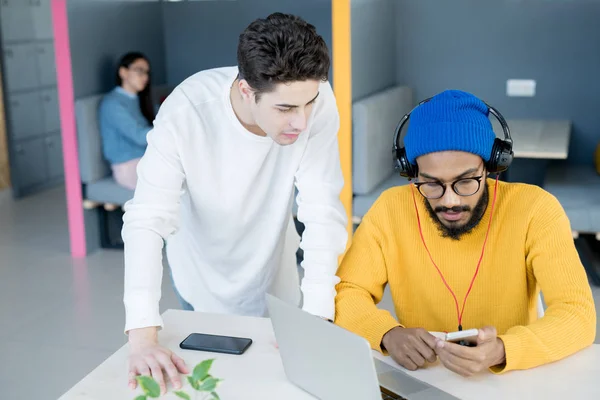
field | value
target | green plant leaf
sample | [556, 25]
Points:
[209, 385]
[195, 384]
[215, 396]
[201, 370]
[183, 395]
[141, 397]
[149, 386]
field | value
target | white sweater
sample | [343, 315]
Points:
[221, 197]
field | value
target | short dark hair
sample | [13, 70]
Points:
[145, 96]
[279, 49]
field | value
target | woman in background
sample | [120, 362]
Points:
[126, 115]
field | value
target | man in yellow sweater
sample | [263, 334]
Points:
[460, 251]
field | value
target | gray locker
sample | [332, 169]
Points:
[25, 115]
[49, 101]
[46, 66]
[42, 19]
[54, 156]
[16, 20]
[31, 103]
[30, 162]
[21, 70]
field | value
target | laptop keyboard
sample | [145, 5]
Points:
[387, 395]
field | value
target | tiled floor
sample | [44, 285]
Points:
[60, 317]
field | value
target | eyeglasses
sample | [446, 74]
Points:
[462, 187]
[140, 71]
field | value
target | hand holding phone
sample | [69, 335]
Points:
[486, 350]
[464, 338]
[410, 347]
[216, 343]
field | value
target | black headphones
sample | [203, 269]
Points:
[500, 158]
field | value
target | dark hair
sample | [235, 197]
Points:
[279, 49]
[145, 96]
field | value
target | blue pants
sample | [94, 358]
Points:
[184, 304]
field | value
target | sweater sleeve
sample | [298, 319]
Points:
[319, 181]
[125, 123]
[569, 323]
[150, 217]
[363, 276]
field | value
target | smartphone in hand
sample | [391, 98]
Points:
[464, 338]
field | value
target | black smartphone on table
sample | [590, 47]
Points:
[216, 343]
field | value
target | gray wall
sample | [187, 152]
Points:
[477, 45]
[204, 34]
[373, 46]
[101, 31]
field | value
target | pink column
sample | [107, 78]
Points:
[64, 76]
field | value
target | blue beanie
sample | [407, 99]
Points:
[451, 120]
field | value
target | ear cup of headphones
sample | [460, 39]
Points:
[403, 166]
[501, 156]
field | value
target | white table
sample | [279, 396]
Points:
[258, 374]
[535, 143]
[539, 139]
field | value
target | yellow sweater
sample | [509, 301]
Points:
[530, 247]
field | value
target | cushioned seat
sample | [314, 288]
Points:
[577, 188]
[363, 202]
[95, 172]
[107, 191]
[92, 165]
[374, 120]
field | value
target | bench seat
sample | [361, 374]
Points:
[106, 190]
[577, 188]
[363, 202]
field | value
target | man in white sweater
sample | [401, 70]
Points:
[217, 185]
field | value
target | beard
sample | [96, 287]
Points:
[455, 232]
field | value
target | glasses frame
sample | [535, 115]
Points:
[452, 185]
[140, 71]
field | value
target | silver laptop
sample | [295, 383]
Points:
[330, 362]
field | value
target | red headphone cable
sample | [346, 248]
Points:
[458, 313]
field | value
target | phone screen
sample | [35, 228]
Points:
[216, 343]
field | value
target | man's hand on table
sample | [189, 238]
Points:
[410, 347]
[147, 357]
[468, 361]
